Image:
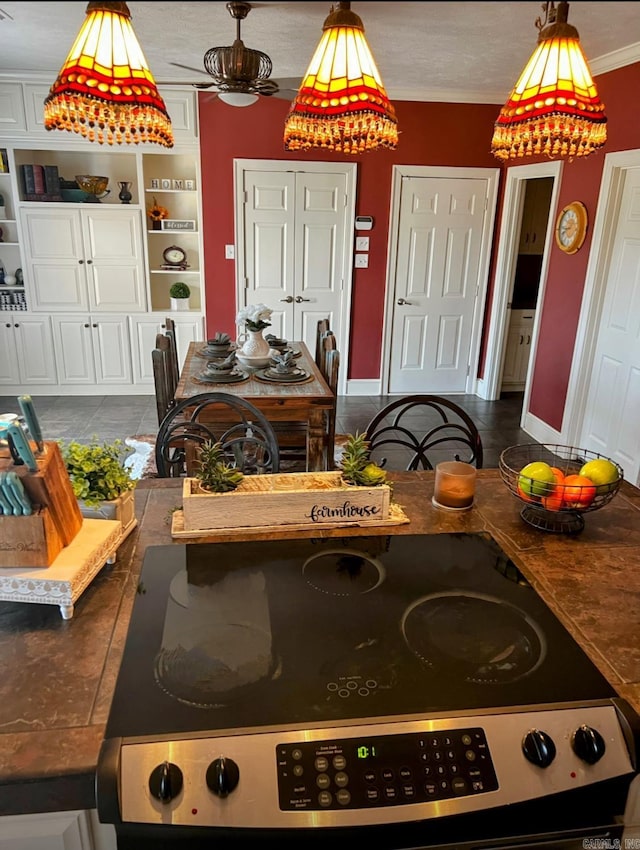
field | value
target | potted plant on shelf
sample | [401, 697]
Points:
[179, 294]
[156, 213]
[100, 482]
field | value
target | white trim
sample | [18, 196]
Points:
[539, 430]
[508, 239]
[611, 188]
[616, 59]
[350, 170]
[363, 386]
[491, 175]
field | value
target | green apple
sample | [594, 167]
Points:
[602, 472]
[536, 479]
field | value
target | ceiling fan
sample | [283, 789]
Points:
[239, 73]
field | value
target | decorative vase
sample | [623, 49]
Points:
[125, 195]
[155, 224]
[255, 345]
[179, 304]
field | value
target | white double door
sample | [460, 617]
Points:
[443, 225]
[294, 240]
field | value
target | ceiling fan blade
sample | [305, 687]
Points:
[199, 86]
[188, 68]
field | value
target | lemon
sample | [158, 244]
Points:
[602, 472]
[537, 479]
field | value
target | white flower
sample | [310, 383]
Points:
[254, 316]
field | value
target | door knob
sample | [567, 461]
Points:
[300, 299]
[288, 299]
[402, 301]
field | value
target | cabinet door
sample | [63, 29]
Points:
[113, 253]
[12, 115]
[9, 374]
[187, 330]
[49, 831]
[143, 341]
[54, 257]
[74, 350]
[35, 351]
[111, 349]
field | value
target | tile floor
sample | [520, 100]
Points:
[109, 417]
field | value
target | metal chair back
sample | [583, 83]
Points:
[248, 440]
[420, 431]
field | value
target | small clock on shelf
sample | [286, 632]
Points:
[571, 227]
[175, 258]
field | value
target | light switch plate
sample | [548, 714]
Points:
[229, 252]
[362, 261]
[362, 243]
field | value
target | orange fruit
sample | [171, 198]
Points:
[554, 502]
[559, 474]
[578, 491]
[525, 496]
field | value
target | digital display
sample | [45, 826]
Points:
[366, 751]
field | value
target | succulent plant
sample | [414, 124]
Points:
[214, 472]
[356, 465]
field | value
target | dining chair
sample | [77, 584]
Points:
[420, 431]
[327, 344]
[332, 366]
[322, 328]
[248, 440]
[162, 376]
[170, 333]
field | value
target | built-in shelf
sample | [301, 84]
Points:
[175, 271]
[171, 191]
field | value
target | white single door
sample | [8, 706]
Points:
[613, 403]
[436, 283]
[292, 242]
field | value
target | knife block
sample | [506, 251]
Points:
[29, 541]
[49, 487]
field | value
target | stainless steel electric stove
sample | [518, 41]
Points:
[413, 689]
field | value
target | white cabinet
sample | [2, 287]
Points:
[535, 215]
[92, 349]
[47, 831]
[518, 350]
[143, 341]
[12, 112]
[79, 259]
[26, 350]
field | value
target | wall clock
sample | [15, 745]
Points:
[571, 227]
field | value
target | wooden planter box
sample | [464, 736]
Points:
[121, 509]
[299, 498]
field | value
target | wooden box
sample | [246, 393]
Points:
[313, 499]
[29, 541]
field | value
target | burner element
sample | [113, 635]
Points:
[473, 637]
[343, 572]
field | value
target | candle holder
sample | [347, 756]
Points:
[455, 486]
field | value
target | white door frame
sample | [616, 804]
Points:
[491, 175]
[604, 233]
[350, 170]
[508, 240]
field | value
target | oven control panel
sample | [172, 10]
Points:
[383, 770]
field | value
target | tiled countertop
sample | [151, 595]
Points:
[58, 676]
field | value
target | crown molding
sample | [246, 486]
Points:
[617, 59]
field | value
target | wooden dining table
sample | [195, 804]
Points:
[306, 402]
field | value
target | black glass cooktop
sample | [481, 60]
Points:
[277, 633]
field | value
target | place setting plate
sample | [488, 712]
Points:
[211, 354]
[271, 376]
[275, 352]
[235, 376]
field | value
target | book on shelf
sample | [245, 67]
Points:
[51, 180]
[42, 197]
[28, 180]
[38, 180]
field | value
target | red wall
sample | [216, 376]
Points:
[436, 134]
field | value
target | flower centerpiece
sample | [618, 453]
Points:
[255, 347]
[156, 213]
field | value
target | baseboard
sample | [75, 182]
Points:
[541, 431]
[363, 386]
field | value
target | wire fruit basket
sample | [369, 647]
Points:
[555, 506]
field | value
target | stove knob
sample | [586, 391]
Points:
[538, 748]
[588, 744]
[223, 776]
[165, 782]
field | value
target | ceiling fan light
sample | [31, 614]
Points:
[554, 107]
[342, 104]
[237, 98]
[105, 90]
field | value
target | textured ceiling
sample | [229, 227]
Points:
[425, 51]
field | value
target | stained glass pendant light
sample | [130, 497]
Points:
[105, 90]
[342, 104]
[554, 108]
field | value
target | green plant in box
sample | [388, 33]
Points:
[357, 467]
[214, 472]
[179, 290]
[96, 471]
